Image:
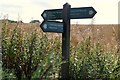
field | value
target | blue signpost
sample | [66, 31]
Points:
[75, 13]
[65, 14]
[52, 26]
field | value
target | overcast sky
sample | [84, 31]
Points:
[27, 10]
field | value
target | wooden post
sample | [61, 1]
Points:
[65, 42]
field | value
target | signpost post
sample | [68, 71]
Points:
[66, 42]
[65, 14]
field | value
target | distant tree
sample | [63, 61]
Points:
[35, 21]
[12, 21]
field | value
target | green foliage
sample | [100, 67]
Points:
[32, 56]
[93, 62]
[28, 55]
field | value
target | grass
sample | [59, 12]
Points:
[28, 54]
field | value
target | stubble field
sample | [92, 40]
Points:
[105, 34]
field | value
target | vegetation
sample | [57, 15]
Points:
[30, 56]
[35, 21]
[11, 21]
[93, 62]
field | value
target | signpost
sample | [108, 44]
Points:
[52, 26]
[75, 13]
[65, 14]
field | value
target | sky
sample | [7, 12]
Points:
[27, 10]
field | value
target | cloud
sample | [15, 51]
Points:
[10, 6]
[41, 3]
[28, 9]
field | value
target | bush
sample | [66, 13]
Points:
[24, 54]
[93, 62]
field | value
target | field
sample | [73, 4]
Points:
[106, 34]
[30, 53]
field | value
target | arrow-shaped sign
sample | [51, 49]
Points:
[52, 26]
[75, 13]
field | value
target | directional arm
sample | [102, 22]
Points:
[52, 26]
[75, 13]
